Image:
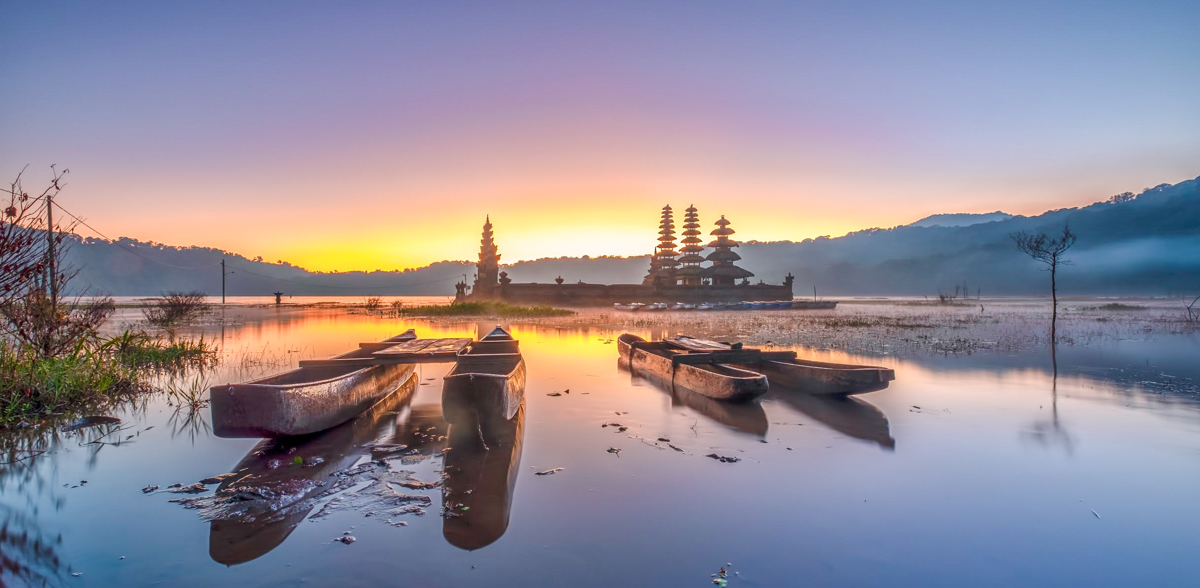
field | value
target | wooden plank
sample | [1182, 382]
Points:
[694, 344]
[425, 347]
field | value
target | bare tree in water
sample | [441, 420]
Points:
[1049, 251]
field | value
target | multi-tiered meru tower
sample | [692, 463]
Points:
[662, 262]
[689, 263]
[723, 272]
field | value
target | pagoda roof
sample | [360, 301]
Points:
[691, 258]
[726, 243]
[722, 231]
[691, 248]
[722, 222]
[723, 255]
[689, 270]
[725, 271]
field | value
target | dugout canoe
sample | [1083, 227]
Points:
[305, 400]
[783, 368]
[669, 363]
[487, 379]
[268, 496]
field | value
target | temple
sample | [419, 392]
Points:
[673, 276]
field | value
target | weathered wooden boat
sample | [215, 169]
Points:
[633, 306]
[308, 399]
[489, 376]
[782, 367]
[814, 304]
[705, 306]
[699, 374]
[259, 506]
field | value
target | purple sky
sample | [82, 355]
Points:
[377, 135]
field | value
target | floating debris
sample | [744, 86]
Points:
[217, 479]
[149, 489]
[193, 489]
[724, 458]
[615, 450]
[675, 448]
[553, 394]
[1095, 513]
[346, 539]
[548, 472]
[664, 439]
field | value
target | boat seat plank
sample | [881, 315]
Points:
[423, 349]
[694, 344]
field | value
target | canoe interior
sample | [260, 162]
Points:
[313, 375]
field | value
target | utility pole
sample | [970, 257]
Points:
[52, 282]
[222, 281]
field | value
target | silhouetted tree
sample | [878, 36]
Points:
[1049, 251]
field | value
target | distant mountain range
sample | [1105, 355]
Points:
[1143, 244]
[961, 219]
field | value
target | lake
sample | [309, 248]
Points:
[970, 470]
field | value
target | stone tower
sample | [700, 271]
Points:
[723, 272]
[689, 272]
[487, 271]
[663, 263]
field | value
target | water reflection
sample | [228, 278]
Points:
[743, 417]
[481, 474]
[848, 415]
[272, 493]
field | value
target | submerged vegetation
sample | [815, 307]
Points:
[495, 309]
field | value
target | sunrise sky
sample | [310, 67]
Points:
[377, 135]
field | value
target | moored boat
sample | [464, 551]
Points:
[630, 307]
[489, 377]
[669, 363]
[308, 399]
[783, 368]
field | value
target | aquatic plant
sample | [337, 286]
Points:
[91, 376]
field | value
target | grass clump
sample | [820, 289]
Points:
[93, 375]
[1117, 306]
[175, 309]
[496, 309]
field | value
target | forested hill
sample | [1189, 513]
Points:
[1144, 244]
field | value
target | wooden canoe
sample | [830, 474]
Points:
[305, 400]
[783, 369]
[489, 378]
[715, 380]
[274, 497]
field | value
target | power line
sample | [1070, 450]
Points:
[241, 269]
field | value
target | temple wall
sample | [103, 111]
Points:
[606, 294]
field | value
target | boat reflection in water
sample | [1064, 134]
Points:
[279, 483]
[276, 494]
[480, 474]
[847, 415]
[743, 417]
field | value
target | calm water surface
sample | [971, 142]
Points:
[979, 471]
